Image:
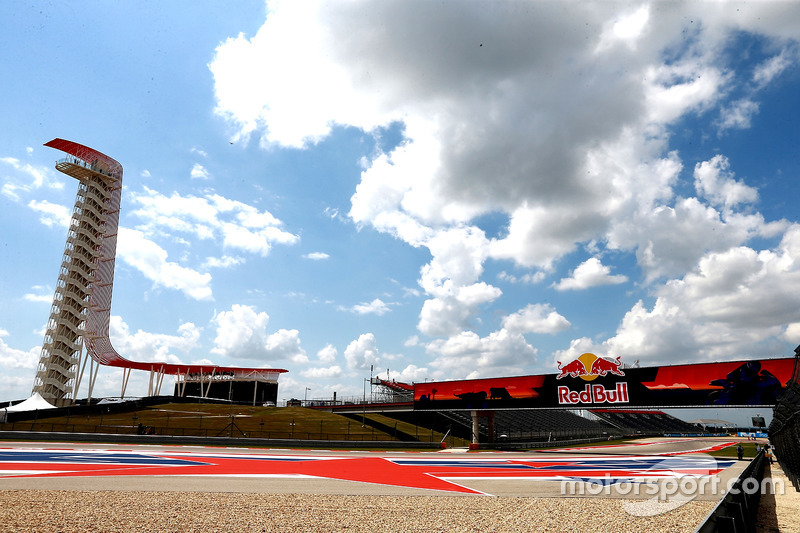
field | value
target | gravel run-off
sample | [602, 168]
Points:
[186, 512]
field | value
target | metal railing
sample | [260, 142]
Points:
[784, 431]
[738, 510]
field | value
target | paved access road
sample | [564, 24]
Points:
[66, 466]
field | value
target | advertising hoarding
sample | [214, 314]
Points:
[601, 382]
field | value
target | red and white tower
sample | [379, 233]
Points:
[81, 310]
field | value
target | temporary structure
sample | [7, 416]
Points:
[34, 403]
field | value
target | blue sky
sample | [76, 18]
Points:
[441, 190]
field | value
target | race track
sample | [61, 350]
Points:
[65, 466]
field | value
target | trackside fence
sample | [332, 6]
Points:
[738, 510]
[784, 431]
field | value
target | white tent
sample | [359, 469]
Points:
[35, 402]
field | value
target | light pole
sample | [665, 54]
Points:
[305, 397]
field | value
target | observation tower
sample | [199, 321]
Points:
[77, 331]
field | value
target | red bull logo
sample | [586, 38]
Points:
[594, 394]
[588, 367]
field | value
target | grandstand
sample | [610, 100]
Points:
[644, 421]
[508, 425]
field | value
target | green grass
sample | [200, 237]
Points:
[214, 420]
[421, 433]
[730, 451]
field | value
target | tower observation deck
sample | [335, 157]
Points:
[81, 311]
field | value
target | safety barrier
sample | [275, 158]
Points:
[784, 431]
[738, 510]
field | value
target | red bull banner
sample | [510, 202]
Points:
[592, 381]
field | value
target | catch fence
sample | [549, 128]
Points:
[784, 431]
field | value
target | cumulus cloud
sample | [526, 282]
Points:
[317, 256]
[773, 67]
[536, 318]
[242, 334]
[528, 279]
[14, 358]
[145, 346]
[239, 226]
[411, 374]
[707, 315]
[590, 273]
[199, 172]
[362, 352]
[226, 261]
[134, 249]
[737, 115]
[51, 214]
[469, 356]
[568, 143]
[45, 295]
[329, 372]
[25, 178]
[715, 182]
[327, 354]
[375, 307]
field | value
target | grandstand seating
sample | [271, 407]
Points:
[645, 421]
[532, 424]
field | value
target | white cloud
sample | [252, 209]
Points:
[627, 29]
[240, 226]
[327, 354]
[677, 89]
[469, 356]
[670, 240]
[792, 333]
[737, 115]
[134, 249]
[375, 307]
[242, 334]
[450, 313]
[27, 178]
[527, 279]
[285, 344]
[411, 374]
[536, 318]
[361, 353]
[45, 295]
[143, 254]
[226, 261]
[317, 256]
[570, 143]
[146, 346]
[590, 273]
[199, 172]
[708, 314]
[330, 372]
[714, 181]
[14, 358]
[773, 67]
[51, 214]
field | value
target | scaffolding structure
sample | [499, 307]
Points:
[81, 310]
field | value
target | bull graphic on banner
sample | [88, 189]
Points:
[588, 366]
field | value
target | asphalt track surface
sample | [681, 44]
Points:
[103, 467]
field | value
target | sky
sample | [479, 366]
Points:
[435, 190]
